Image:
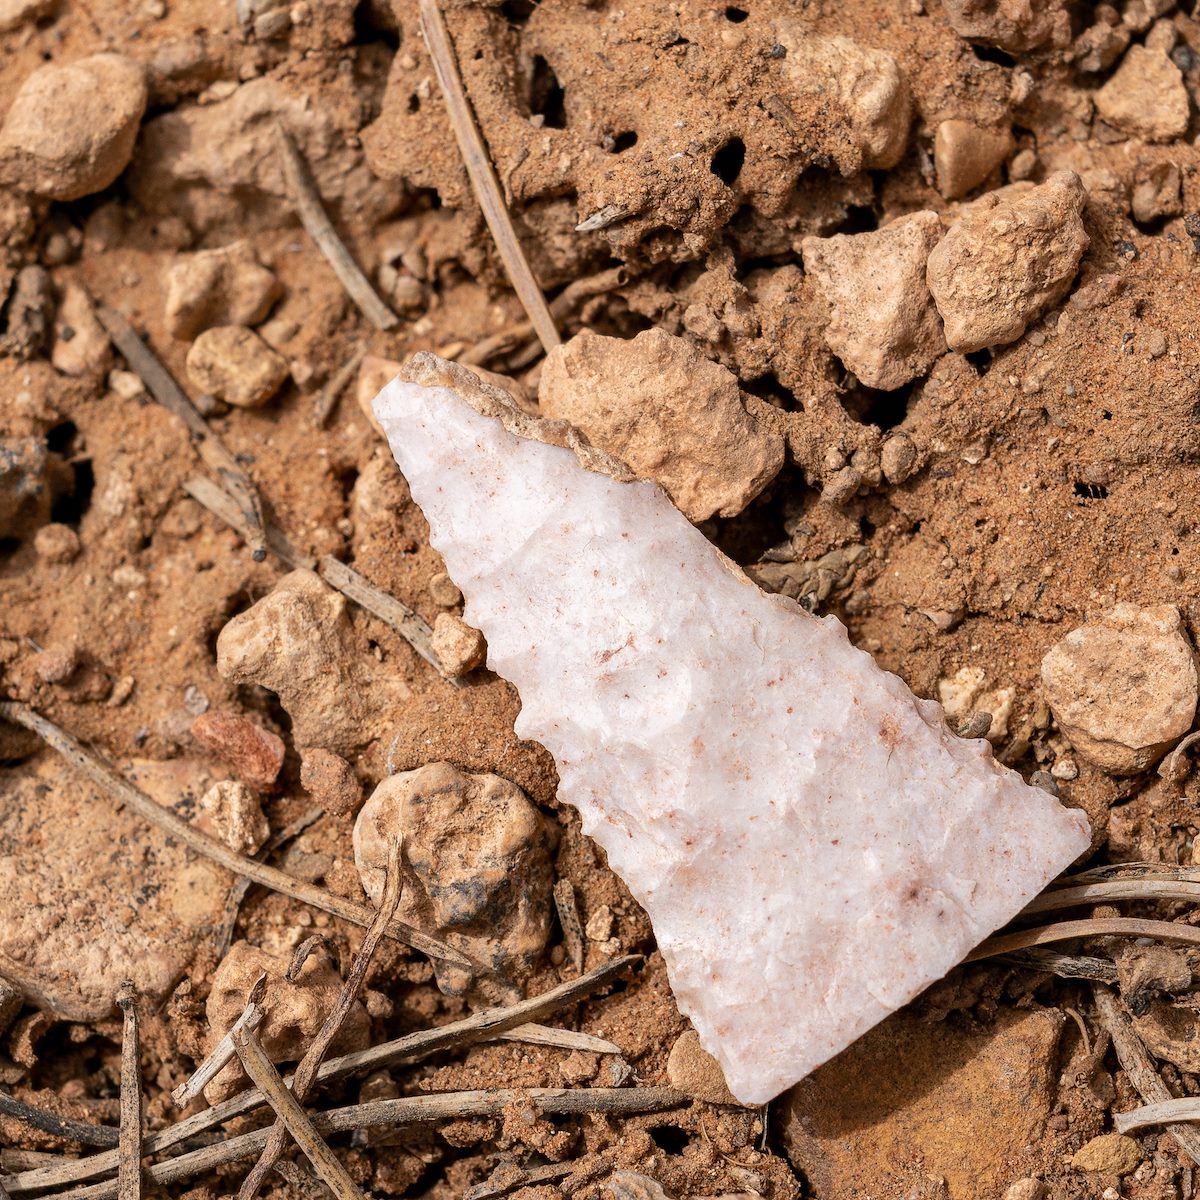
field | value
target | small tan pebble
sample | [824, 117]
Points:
[255, 753]
[1146, 97]
[379, 1006]
[373, 375]
[226, 286]
[330, 780]
[458, 647]
[70, 129]
[1156, 343]
[56, 664]
[1025, 1189]
[1065, 768]
[129, 577]
[1016, 28]
[444, 591]
[691, 1069]
[1112, 1153]
[234, 364]
[273, 24]
[600, 924]
[1157, 191]
[294, 1011]
[579, 1067]
[1123, 687]
[121, 691]
[81, 345]
[1008, 258]
[882, 321]
[1162, 36]
[841, 486]
[236, 815]
[126, 384]
[1023, 164]
[965, 154]
[898, 458]
[408, 295]
[56, 543]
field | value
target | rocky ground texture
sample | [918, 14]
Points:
[896, 298]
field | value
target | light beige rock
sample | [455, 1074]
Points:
[965, 694]
[227, 286]
[864, 85]
[294, 1012]
[965, 154]
[330, 780]
[234, 364]
[14, 13]
[297, 641]
[1146, 97]
[1013, 25]
[1025, 1189]
[459, 648]
[1113, 1153]
[443, 590]
[691, 1069]
[236, 815]
[476, 865]
[1157, 192]
[673, 415]
[898, 458]
[1007, 260]
[882, 321]
[56, 543]
[81, 346]
[848, 1125]
[91, 895]
[1123, 688]
[70, 129]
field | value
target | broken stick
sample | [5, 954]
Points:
[306, 1073]
[251, 1018]
[288, 1111]
[162, 386]
[129, 1149]
[1065, 931]
[170, 822]
[306, 200]
[483, 175]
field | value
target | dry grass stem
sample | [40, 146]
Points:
[306, 1072]
[1064, 931]
[568, 918]
[162, 386]
[1065, 966]
[219, 502]
[560, 1039]
[1138, 1066]
[328, 396]
[1165, 1112]
[483, 174]
[72, 1131]
[476, 1027]
[306, 200]
[288, 1112]
[1105, 892]
[406, 1112]
[171, 823]
[129, 1150]
[214, 1063]
[412, 628]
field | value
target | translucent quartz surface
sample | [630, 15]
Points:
[812, 845]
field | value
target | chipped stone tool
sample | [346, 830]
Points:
[812, 845]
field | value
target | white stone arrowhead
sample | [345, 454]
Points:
[811, 843]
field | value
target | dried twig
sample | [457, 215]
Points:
[327, 397]
[170, 822]
[237, 893]
[568, 918]
[1129, 870]
[406, 1112]
[1114, 889]
[1136, 1063]
[162, 386]
[129, 1150]
[560, 1039]
[306, 1072]
[288, 1112]
[1065, 966]
[306, 200]
[1064, 931]
[221, 504]
[470, 1029]
[214, 1063]
[511, 1180]
[1165, 1112]
[483, 174]
[63, 1127]
[413, 628]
